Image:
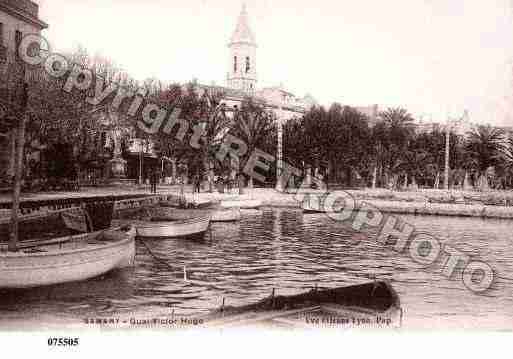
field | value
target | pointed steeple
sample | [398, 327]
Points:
[243, 33]
[242, 70]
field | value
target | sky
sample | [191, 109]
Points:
[436, 58]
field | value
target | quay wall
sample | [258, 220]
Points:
[441, 209]
[269, 198]
[410, 207]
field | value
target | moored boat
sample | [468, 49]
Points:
[183, 202]
[187, 228]
[313, 208]
[226, 215]
[316, 204]
[154, 222]
[374, 304]
[307, 209]
[67, 259]
[243, 204]
[76, 220]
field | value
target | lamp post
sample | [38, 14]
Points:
[141, 159]
[451, 124]
[447, 148]
[279, 155]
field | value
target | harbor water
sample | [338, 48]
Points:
[283, 249]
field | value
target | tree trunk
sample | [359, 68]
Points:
[308, 177]
[240, 178]
[483, 184]
[414, 184]
[466, 183]
[182, 186]
[348, 175]
[210, 174]
[18, 172]
[446, 171]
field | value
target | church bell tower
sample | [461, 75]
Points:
[242, 74]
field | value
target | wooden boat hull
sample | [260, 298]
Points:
[374, 301]
[76, 220]
[217, 214]
[312, 211]
[175, 203]
[316, 207]
[203, 204]
[226, 215]
[189, 228]
[246, 204]
[75, 258]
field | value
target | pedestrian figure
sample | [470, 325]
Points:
[229, 184]
[197, 183]
[153, 181]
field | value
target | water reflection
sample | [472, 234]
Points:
[291, 252]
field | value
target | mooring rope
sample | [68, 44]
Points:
[162, 261]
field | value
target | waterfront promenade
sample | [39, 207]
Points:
[496, 204]
[91, 192]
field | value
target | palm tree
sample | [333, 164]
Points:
[485, 144]
[255, 126]
[505, 165]
[398, 118]
[216, 126]
[397, 130]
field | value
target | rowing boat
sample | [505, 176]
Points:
[217, 213]
[188, 228]
[226, 215]
[374, 304]
[312, 210]
[66, 259]
[243, 204]
[152, 222]
[317, 204]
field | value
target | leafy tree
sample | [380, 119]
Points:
[485, 144]
[256, 127]
[396, 132]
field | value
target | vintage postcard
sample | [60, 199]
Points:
[293, 166]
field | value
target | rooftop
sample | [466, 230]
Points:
[25, 10]
[243, 33]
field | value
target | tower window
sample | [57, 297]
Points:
[235, 64]
[248, 64]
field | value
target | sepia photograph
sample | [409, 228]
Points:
[267, 166]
